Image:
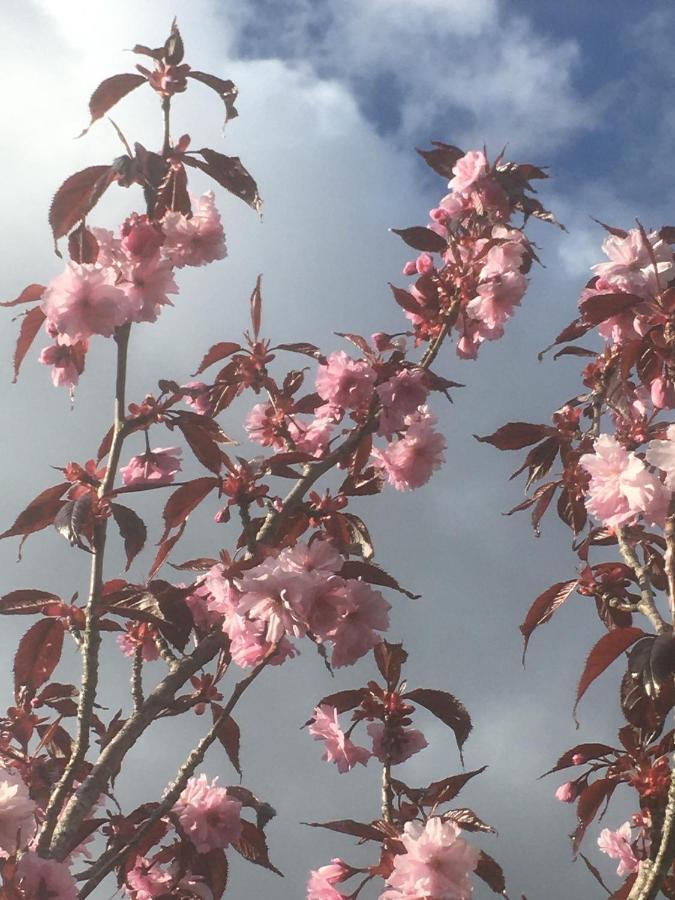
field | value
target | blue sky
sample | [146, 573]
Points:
[334, 97]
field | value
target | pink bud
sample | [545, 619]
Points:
[439, 215]
[424, 263]
[409, 268]
[578, 759]
[566, 793]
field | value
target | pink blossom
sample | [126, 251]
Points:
[314, 437]
[137, 635]
[357, 632]
[437, 863]
[207, 815]
[321, 881]
[110, 251]
[67, 361]
[319, 556]
[662, 455]
[271, 595]
[264, 426]
[410, 461]
[46, 878]
[327, 601]
[616, 844]
[17, 812]
[84, 301]
[662, 392]
[155, 467]
[198, 240]
[621, 487]
[222, 598]
[566, 793]
[204, 615]
[468, 171]
[631, 268]
[147, 879]
[147, 282]
[344, 381]
[198, 399]
[400, 396]
[141, 239]
[397, 744]
[249, 644]
[424, 263]
[496, 299]
[338, 748]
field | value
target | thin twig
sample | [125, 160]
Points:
[652, 872]
[91, 638]
[647, 605]
[110, 859]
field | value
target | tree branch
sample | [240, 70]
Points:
[652, 872]
[647, 605]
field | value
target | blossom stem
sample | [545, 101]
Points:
[166, 112]
[171, 794]
[652, 872]
[92, 639]
[647, 606]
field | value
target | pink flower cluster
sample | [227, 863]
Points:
[208, 815]
[147, 879]
[391, 745]
[270, 427]
[322, 880]
[17, 813]
[616, 844]
[631, 267]
[621, 487]
[130, 281]
[46, 878]
[287, 596]
[437, 863]
[410, 461]
[155, 467]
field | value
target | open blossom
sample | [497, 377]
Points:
[199, 399]
[156, 467]
[410, 461]
[198, 240]
[662, 455]
[400, 396]
[84, 301]
[357, 631]
[397, 744]
[496, 299]
[437, 863]
[321, 881]
[337, 747]
[46, 878]
[271, 595]
[140, 634]
[147, 880]
[147, 282]
[66, 360]
[207, 815]
[468, 171]
[17, 812]
[631, 268]
[344, 381]
[616, 844]
[621, 487]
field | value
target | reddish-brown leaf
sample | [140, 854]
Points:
[373, 574]
[587, 751]
[491, 873]
[77, 196]
[26, 602]
[305, 348]
[172, 193]
[349, 826]
[165, 547]
[572, 510]
[468, 820]
[201, 432]
[184, 500]
[598, 308]
[389, 659]
[446, 708]
[229, 736]
[38, 654]
[28, 295]
[212, 866]
[216, 353]
[109, 92]
[344, 700]
[31, 323]
[422, 239]
[443, 791]
[544, 606]
[405, 300]
[225, 89]
[590, 801]
[132, 530]
[228, 172]
[442, 159]
[39, 513]
[82, 245]
[604, 653]
[105, 445]
[516, 435]
[251, 844]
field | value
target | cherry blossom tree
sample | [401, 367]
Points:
[301, 570]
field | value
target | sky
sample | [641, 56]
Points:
[334, 97]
